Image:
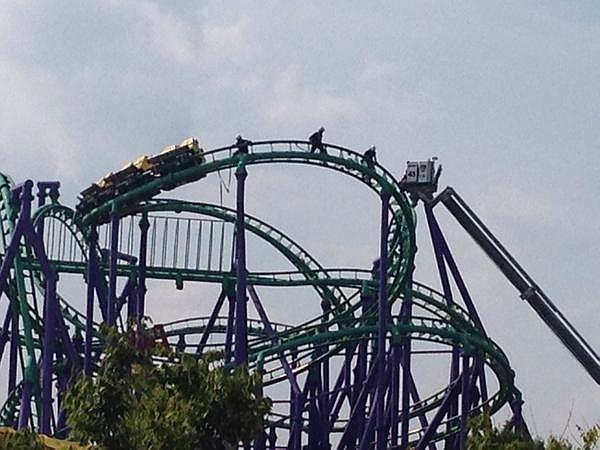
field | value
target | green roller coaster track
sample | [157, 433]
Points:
[342, 324]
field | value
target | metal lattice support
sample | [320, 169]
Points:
[344, 379]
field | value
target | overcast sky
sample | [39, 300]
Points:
[506, 94]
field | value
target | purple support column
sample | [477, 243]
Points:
[272, 438]
[14, 349]
[436, 240]
[360, 380]
[260, 443]
[406, 364]
[395, 393]
[465, 401]
[213, 317]
[313, 422]
[439, 415]
[89, 310]
[5, 332]
[357, 413]
[443, 250]
[10, 253]
[517, 420]
[382, 320]
[25, 410]
[241, 319]
[342, 387]
[230, 326]
[112, 274]
[141, 291]
[272, 334]
[324, 405]
[48, 353]
[61, 387]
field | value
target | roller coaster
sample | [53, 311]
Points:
[351, 377]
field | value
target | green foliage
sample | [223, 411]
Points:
[152, 398]
[20, 440]
[484, 436]
[589, 437]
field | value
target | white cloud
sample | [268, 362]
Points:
[289, 100]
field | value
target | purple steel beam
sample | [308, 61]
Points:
[407, 379]
[413, 393]
[25, 410]
[5, 333]
[62, 382]
[395, 393]
[68, 345]
[464, 292]
[465, 402]
[335, 403]
[447, 256]
[101, 291]
[296, 423]
[382, 319]
[436, 237]
[321, 399]
[260, 442]
[37, 244]
[367, 436]
[441, 412]
[366, 440]
[89, 309]
[125, 295]
[324, 403]
[25, 229]
[141, 292]
[132, 302]
[14, 349]
[230, 327]
[10, 253]
[357, 412]
[48, 354]
[241, 314]
[314, 432]
[517, 421]
[47, 189]
[9, 256]
[360, 374]
[52, 315]
[273, 335]
[212, 319]
[272, 438]
[112, 276]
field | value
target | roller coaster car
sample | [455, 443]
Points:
[176, 157]
[88, 198]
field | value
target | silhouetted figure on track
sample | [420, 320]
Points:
[316, 141]
[242, 145]
[369, 158]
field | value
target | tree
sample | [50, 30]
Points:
[484, 436]
[19, 440]
[26, 439]
[154, 398]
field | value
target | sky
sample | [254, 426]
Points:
[506, 94]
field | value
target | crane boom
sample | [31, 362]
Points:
[516, 275]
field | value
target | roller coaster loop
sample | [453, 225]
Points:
[352, 376]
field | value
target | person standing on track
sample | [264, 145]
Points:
[242, 145]
[369, 158]
[316, 141]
